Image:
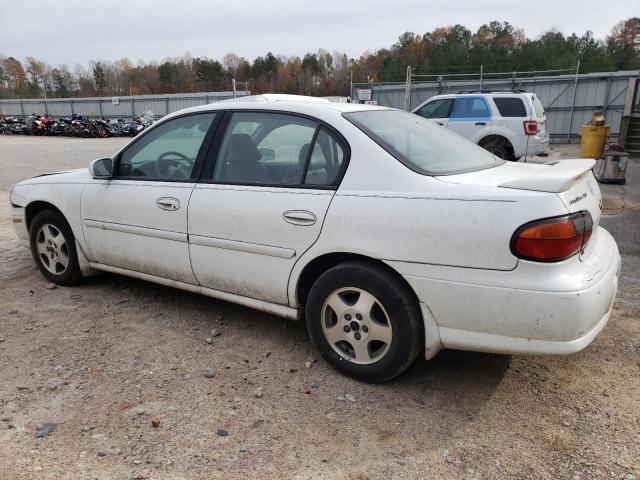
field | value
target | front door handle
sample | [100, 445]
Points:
[481, 123]
[168, 203]
[440, 123]
[299, 217]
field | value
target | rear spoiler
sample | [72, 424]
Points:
[553, 177]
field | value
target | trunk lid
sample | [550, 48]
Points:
[571, 180]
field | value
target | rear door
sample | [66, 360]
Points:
[262, 201]
[470, 117]
[437, 110]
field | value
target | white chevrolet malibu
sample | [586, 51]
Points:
[390, 235]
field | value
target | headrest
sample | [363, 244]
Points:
[304, 151]
[241, 149]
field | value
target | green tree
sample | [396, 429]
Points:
[60, 87]
[99, 79]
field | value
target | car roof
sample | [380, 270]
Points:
[479, 94]
[293, 103]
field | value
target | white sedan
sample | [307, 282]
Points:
[390, 235]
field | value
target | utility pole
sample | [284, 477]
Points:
[573, 102]
[351, 85]
[407, 90]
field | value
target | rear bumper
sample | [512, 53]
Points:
[538, 144]
[534, 309]
[485, 342]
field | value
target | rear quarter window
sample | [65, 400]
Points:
[537, 106]
[510, 107]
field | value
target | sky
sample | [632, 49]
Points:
[77, 31]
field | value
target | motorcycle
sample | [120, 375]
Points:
[105, 127]
[38, 124]
[14, 126]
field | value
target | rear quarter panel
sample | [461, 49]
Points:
[403, 216]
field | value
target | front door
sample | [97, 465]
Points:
[437, 110]
[138, 219]
[264, 202]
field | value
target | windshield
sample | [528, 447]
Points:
[420, 144]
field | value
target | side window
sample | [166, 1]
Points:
[168, 152]
[510, 107]
[265, 149]
[467, 108]
[436, 109]
[325, 162]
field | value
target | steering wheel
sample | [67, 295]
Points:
[178, 168]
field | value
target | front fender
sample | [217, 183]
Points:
[64, 197]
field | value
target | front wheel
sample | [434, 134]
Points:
[53, 248]
[365, 321]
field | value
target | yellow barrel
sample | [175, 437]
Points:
[593, 140]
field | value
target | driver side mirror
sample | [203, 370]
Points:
[102, 168]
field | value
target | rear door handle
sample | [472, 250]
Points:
[299, 217]
[168, 203]
[481, 123]
[440, 123]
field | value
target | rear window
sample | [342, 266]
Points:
[537, 106]
[510, 107]
[421, 145]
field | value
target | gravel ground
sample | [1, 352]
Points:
[141, 387]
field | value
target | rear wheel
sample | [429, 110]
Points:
[53, 248]
[499, 151]
[364, 321]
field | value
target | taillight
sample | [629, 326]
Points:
[530, 128]
[552, 239]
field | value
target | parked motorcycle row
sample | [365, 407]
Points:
[75, 126]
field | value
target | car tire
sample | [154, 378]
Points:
[53, 247]
[498, 150]
[373, 303]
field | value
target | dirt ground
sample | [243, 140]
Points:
[140, 387]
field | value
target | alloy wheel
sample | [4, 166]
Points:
[356, 325]
[52, 249]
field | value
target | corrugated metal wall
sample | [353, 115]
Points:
[593, 92]
[116, 107]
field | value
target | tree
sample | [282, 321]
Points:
[167, 75]
[15, 76]
[623, 44]
[498, 46]
[209, 73]
[60, 86]
[99, 79]
[231, 63]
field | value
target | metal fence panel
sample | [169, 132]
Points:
[567, 110]
[116, 107]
